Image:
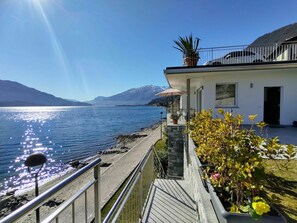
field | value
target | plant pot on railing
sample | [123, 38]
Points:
[175, 117]
[191, 61]
[274, 216]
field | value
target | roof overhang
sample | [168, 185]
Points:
[177, 76]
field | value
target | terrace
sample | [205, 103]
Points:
[231, 55]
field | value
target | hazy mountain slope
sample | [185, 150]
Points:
[164, 101]
[16, 94]
[134, 96]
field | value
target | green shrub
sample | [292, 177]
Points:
[235, 155]
[162, 153]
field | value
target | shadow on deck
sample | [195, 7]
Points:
[170, 201]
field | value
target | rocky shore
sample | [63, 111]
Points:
[13, 200]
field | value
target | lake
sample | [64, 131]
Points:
[62, 134]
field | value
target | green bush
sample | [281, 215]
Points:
[162, 153]
[235, 156]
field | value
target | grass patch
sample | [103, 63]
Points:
[107, 207]
[160, 145]
[282, 183]
[162, 152]
[130, 212]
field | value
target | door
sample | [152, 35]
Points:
[272, 105]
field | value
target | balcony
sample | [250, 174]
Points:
[242, 54]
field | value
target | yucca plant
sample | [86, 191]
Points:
[189, 47]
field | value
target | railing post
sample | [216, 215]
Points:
[73, 212]
[152, 164]
[140, 192]
[212, 54]
[97, 198]
[276, 51]
[86, 206]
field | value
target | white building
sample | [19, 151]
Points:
[268, 89]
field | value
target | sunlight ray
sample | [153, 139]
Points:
[58, 49]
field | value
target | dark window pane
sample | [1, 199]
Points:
[225, 95]
[233, 54]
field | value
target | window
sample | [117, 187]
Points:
[226, 95]
[248, 53]
[227, 56]
[233, 54]
[236, 54]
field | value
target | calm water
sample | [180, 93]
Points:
[62, 134]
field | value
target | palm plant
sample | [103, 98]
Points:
[189, 47]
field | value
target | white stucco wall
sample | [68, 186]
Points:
[183, 101]
[251, 100]
[193, 100]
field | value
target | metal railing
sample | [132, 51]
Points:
[129, 206]
[241, 54]
[54, 217]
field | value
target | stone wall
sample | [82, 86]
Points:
[175, 151]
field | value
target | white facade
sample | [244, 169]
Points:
[249, 95]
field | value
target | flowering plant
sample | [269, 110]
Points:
[235, 156]
[256, 208]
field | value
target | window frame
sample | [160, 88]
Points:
[235, 105]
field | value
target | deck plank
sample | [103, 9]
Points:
[170, 201]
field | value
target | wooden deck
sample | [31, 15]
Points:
[170, 201]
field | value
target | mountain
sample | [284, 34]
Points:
[164, 101]
[134, 96]
[15, 94]
[279, 36]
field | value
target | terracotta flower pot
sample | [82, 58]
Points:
[190, 61]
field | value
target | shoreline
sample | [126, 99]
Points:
[10, 202]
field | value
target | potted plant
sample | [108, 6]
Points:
[175, 117]
[189, 47]
[235, 172]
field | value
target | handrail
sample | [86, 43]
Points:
[127, 190]
[42, 198]
[161, 169]
[263, 53]
[68, 202]
[245, 45]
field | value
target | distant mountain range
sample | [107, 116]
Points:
[16, 94]
[134, 96]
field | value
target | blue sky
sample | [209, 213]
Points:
[80, 49]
